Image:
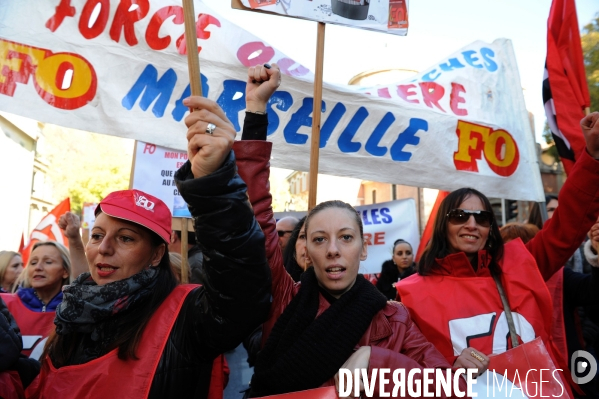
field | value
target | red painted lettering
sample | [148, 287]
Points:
[160, 43]
[90, 32]
[384, 92]
[204, 20]
[379, 238]
[126, 16]
[455, 99]
[149, 148]
[286, 63]
[405, 91]
[368, 238]
[63, 10]
[431, 94]
[261, 53]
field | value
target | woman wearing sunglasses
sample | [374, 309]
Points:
[455, 300]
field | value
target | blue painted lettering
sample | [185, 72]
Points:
[330, 124]
[180, 110]
[281, 100]
[451, 64]
[230, 106]
[345, 142]
[386, 215]
[375, 216]
[428, 77]
[487, 55]
[408, 136]
[375, 138]
[365, 218]
[471, 59]
[152, 88]
[302, 117]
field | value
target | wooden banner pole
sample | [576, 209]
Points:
[184, 250]
[195, 83]
[316, 114]
[191, 42]
[132, 173]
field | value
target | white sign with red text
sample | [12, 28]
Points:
[154, 173]
[119, 67]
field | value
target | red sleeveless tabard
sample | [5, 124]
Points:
[108, 376]
[35, 326]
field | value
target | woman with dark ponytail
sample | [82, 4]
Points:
[400, 266]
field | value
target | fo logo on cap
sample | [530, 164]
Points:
[143, 202]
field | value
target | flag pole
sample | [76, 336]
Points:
[316, 114]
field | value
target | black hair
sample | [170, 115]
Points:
[549, 197]
[289, 256]
[438, 246]
[401, 241]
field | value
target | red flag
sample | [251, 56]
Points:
[22, 244]
[565, 89]
[428, 230]
[48, 229]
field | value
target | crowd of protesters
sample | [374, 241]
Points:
[112, 319]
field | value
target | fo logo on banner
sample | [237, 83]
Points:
[583, 367]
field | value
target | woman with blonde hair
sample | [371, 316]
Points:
[34, 304]
[11, 266]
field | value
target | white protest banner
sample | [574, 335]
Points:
[390, 16]
[154, 173]
[117, 68]
[383, 224]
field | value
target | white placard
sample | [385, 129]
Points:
[389, 16]
[154, 173]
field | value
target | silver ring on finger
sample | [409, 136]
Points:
[210, 128]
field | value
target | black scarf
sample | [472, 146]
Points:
[86, 305]
[302, 351]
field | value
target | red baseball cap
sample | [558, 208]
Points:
[140, 208]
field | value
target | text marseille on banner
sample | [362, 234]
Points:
[461, 122]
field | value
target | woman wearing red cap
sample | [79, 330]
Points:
[125, 329]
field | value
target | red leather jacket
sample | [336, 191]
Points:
[394, 339]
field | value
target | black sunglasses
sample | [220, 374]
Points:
[461, 216]
[281, 233]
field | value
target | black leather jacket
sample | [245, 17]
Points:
[235, 297]
[10, 339]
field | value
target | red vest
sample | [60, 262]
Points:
[462, 308]
[10, 385]
[35, 326]
[108, 376]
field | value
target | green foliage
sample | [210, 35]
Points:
[590, 49]
[552, 150]
[86, 166]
